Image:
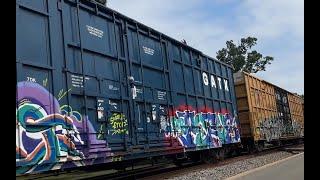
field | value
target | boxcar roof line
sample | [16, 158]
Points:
[116, 13]
[269, 83]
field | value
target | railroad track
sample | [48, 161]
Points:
[293, 148]
[147, 171]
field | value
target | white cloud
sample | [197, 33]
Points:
[278, 25]
[273, 18]
[180, 19]
[287, 72]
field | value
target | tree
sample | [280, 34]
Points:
[241, 59]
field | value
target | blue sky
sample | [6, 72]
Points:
[208, 24]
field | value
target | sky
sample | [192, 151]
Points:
[207, 24]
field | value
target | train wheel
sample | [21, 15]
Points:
[209, 156]
[221, 154]
[178, 163]
[236, 152]
[252, 149]
[260, 146]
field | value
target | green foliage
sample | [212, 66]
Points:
[241, 59]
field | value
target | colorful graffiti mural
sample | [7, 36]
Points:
[53, 136]
[47, 135]
[204, 130]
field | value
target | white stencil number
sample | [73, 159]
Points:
[31, 79]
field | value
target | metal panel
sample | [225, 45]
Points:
[97, 33]
[198, 124]
[297, 116]
[133, 45]
[283, 111]
[32, 50]
[150, 51]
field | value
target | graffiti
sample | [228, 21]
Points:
[286, 128]
[85, 127]
[67, 110]
[119, 124]
[163, 123]
[45, 82]
[298, 130]
[100, 134]
[53, 136]
[45, 136]
[63, 93]
[117, 158]
[205, 130]
[49, 136]
[270, 129]
[275, 127]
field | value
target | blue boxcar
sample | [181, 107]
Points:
[94, 86]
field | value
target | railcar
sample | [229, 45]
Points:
[97, 87]
[267, 113]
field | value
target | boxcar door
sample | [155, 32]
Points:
[148, 86]
[96, 71]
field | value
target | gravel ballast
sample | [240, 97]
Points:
[234, 168]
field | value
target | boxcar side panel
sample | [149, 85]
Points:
[283, 111]
[296, 111]
[243, 105]
[204, 107]
[257, 108]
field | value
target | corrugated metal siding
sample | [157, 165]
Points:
[243, 105]
[284, 111]
[267, 112]
[297, 116]
[257, 107]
